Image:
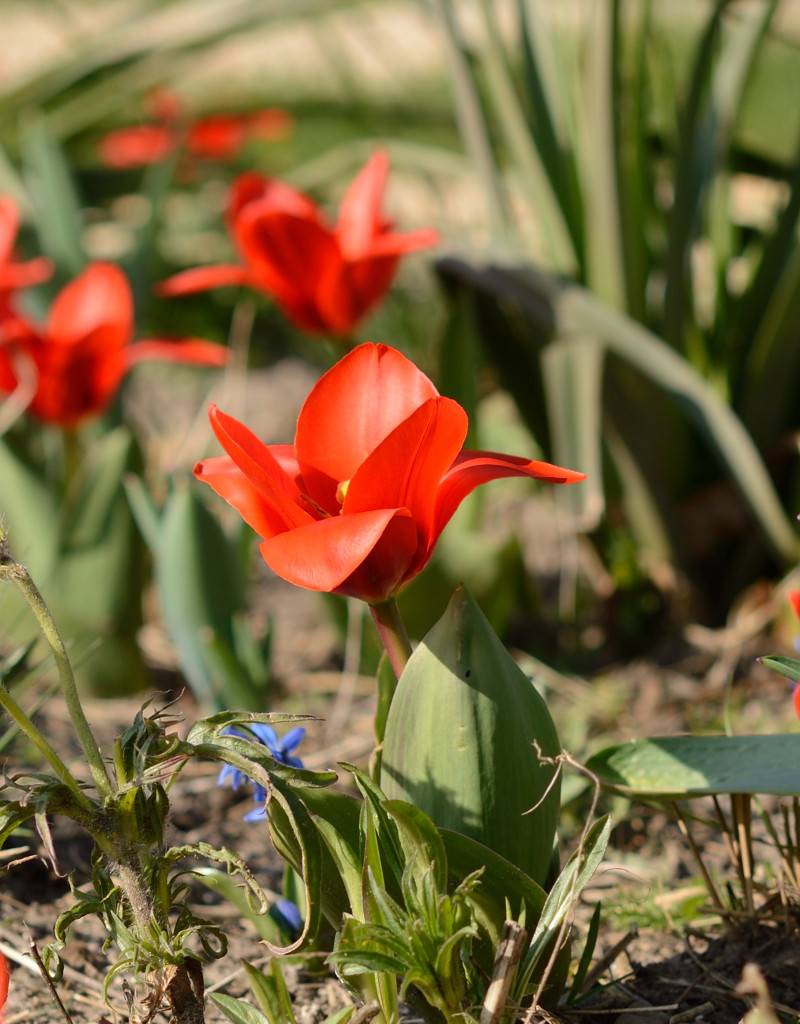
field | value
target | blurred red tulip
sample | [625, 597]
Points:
[324, 278]
[78, 359]
[376, 471]
[13, 275]
[4, 979]
[218, 137]
[138, 146]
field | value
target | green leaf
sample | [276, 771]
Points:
[270, 992]
[573, 377]
[522, 147]
[200, 587]
[422, 844]
[586, 956]
[563, 897]
[460, 741]
[553, 307]
[237, 1011]
[679, 767]
[789, 667]
[501, 882]
[54, 201]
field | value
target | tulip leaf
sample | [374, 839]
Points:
[54, 201]
[201, 589]
[679, 767]
[85, 555]
[461, 736]
[573, 377]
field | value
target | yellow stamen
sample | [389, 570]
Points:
[341, 491]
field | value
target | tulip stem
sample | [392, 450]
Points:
[14, 572]
[392, 631]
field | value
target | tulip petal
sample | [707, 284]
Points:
[252, 187]
[397, 243]
[290, 252]
[473, 468]
[201, 279]
[229, 482]
[260, 467]
[177, 350]
[406, 468]
[360, 210]
[352, 408]
[327, 554]
[9, 226]
[23, 275]
[217, 137]
[136, 147]
[97, 302]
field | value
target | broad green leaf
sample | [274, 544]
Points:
[199, 585]
[679, 767]
[460, 741]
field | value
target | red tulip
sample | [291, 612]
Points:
[78, 359]
[13, 275]
[376, 472]
[4, 978]
[217, 137]
[324, 278]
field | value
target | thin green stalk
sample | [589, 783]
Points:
[522, 146]
[27, 728]
[472, 121]
[392, 631]
[15, 573]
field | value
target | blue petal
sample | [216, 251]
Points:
[266, 734]
[229, 772]
[259, 793]
[292, 739]
[259, 814]
[288, 913]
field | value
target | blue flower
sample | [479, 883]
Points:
[279, 748]
[287, 915]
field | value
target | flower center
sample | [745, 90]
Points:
[341, 491]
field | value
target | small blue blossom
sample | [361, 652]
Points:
[287, 915]
[279, 748]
